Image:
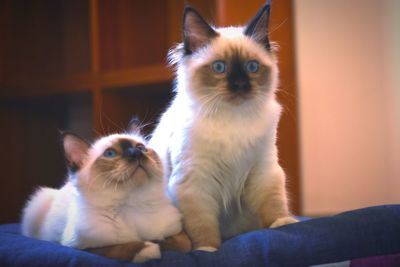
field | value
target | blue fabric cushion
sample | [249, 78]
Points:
[356, 234]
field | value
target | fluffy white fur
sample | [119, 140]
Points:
[99, 214]
[220, 155]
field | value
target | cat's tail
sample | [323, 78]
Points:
[36, 210]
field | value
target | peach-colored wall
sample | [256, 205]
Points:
[393, 81]
[348, 73]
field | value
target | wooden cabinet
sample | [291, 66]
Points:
[85, 66]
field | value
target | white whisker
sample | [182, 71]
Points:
[116, 187]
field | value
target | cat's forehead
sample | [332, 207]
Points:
[231, 32]
[115, 139]
[233, 43]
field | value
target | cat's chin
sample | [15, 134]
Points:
[139, 176]
[143, 173]
[150, 169]
[136, 177]
[237, 99]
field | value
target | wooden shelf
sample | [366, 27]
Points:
[132, 33]
[31, 86]
[135, 76]
[35, 86]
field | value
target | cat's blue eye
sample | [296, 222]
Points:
[252, 66]
[110, 153]
[219, 66]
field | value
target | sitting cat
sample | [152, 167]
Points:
[218, 137]
[115, 194]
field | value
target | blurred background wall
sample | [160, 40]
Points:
[348, 69]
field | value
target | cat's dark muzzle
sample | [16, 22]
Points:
[240, 86]
[133, 153]
[137, 157]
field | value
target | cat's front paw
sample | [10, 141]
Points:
[149, 252]
[283, 221]
[207, 249]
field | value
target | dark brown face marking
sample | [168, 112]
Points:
[130, 164]
[102, 165]
[262, 77]
[127, 151]
[238, 79]
[208, 77]
[130, 151]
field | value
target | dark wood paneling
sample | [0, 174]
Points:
[288, 138]
[31, 151]
[33, 43]
[146, 103]
[76, 41]
[132, 33]
[12, 144]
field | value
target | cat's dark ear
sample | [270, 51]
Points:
[75, 150]
[196, 31]
[134, 125]
[257, 28]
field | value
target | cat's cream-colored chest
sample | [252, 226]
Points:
[238, 141]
